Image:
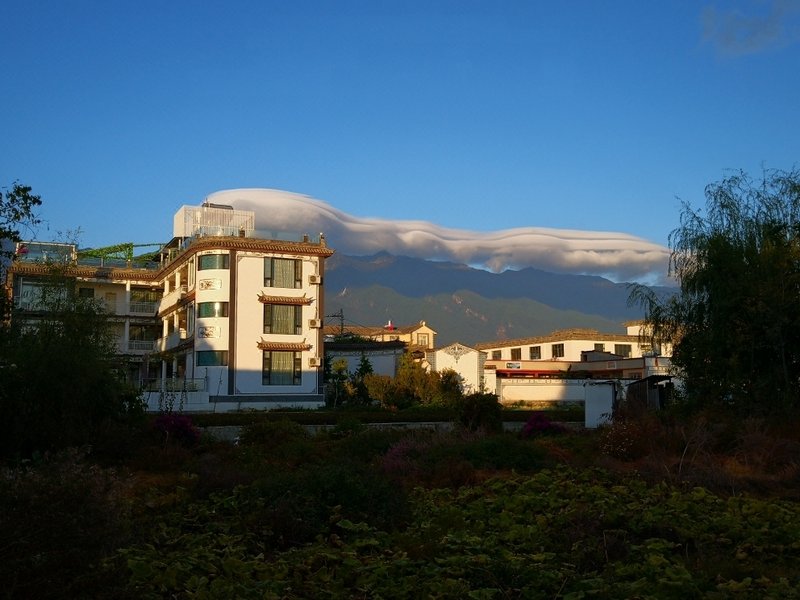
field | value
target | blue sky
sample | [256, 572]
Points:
[478, 116]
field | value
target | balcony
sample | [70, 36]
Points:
[171, 341]
[144, 308]
[172, 298]
[140, 346]
[174, 385]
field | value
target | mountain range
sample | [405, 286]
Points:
[470, 305]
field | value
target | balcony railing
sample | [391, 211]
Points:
[171, 341]
[172, 298]
[140, 345]
[144, 308]
[174, 385]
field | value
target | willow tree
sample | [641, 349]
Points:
[735, 321]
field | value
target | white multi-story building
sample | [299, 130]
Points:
[226, 318]
[568, 344]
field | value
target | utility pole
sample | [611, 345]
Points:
[338, 315]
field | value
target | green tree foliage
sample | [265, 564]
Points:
[61, 382]
[480, 411]
[735, 323]
[17, 211]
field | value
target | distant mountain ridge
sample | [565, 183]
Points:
[471, 305]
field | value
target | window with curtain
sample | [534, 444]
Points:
[623, 350]
[283, 272]
[281, 368]
[283, 319]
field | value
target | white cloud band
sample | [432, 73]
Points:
[618, 256]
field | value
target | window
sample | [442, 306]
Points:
[422, 339]
[281, 368]
[599, 347]
[495, 354]
[558, 350]
[212, 309]
[535, 352]
[283, 272]
[516, 354]
[622, 350]
[143, 332]
[140, 295]
[212, 358]
[283, 319]
[213, 261]
[86, 292]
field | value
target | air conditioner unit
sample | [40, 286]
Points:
[314, 362]
[314, 323]
[314, 279]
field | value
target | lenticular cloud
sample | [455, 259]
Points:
[618, 256]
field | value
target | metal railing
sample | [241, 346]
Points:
[140, 345]
[174, 384]
[144, 308]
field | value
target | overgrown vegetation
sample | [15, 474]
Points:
[734, 324]
[60, 384]
[704, 509]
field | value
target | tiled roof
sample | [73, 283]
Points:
[562, 335]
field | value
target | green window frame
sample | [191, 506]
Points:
[557, 350]
[281, 368]
[283, 272]
[534, 352]
[283, 319]
[213, 261]
[212, 310]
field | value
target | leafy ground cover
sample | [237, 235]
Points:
[652, 508]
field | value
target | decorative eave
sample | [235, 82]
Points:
[283, 346]
[295, 300]
[156, 275]
[88, 272]
[258, 245]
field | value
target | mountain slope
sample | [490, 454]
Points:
[470, 305]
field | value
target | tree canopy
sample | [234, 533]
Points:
[735, 321]
[17, 210]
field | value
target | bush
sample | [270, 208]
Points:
[452, 460]
[58, 519]
[480, 411]
[177, 428]
[270, 435]
[538, 424]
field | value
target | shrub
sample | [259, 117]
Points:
[282, 443]
[272, 434]
[346, 427]
[480, 411]
[177, 428]
[58, 519]
[538, 424]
